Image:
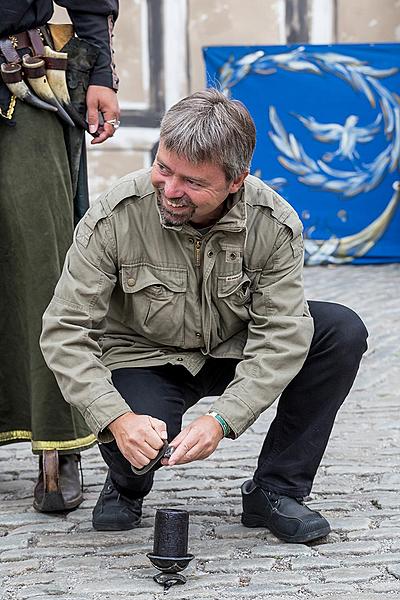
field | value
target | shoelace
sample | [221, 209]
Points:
[274, 498]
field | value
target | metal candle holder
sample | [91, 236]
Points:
[170, 555]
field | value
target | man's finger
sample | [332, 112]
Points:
[180, 437]
[105, 131]
[110, 122]
[182, 446]
[138, 459]
[149, 451]
[93, 118]
[180, 451]
[160, 427]
[192, 453]
[153, 439]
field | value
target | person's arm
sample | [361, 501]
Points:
[279, 336]
[93, 21]
[72, 326]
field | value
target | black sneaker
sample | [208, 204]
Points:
[114, 511]
[287, 518]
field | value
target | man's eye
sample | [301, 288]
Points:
[162, 168]
[193, 183]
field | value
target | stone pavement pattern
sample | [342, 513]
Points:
[357, 489]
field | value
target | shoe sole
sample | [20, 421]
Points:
[114, 526]
[255, 521]
[54, 502]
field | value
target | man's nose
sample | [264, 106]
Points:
[173, 188]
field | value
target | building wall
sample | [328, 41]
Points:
[218, 22]
[368, 21]
[165, 38]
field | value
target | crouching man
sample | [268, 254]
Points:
[185, 281]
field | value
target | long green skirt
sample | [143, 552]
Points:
[36, 226]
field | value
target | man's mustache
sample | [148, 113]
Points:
[183, 201]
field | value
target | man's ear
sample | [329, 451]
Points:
[237, 183]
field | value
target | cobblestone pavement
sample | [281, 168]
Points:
[357, 489]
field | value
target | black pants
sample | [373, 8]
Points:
[297, 438]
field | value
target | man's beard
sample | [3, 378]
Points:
[170, 217]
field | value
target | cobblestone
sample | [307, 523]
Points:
[357, 489]
[351, 574]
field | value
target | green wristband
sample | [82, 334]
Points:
[225, 427]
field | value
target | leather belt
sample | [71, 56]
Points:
[25, 39]
[30, 39]
[21, 40]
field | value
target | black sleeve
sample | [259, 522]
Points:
[93, 21]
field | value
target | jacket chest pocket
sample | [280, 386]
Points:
[234, 298]
[154, 302]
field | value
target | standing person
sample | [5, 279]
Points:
[40, 183]
[186, 281]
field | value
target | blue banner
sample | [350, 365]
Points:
[328, 139]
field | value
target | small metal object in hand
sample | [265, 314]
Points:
[169, 452]
[114, 122]
[165, 452]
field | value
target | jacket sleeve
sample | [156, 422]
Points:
[93, 21]
[75, 320]
[279, 337]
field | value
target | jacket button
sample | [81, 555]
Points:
[191, 240]
[198, 334]
[179, 359]
[210, 254]
[233, 256]
[130, 281]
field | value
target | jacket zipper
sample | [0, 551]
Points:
[197, 256]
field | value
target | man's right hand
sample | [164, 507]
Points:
[139, 437]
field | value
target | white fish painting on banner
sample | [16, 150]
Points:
[328, 139]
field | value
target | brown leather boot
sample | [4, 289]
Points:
[58, 487]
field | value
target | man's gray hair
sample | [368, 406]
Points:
[209, 127]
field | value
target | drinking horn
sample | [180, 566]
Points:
[56, 65]
[12, 77]
[35, 72]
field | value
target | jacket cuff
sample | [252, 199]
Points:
[102, 411]
[103, 78]
[235, 412]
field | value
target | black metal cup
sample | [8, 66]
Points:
[171, 530]
[170, 549]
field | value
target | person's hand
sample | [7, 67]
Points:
[196, 441]
[139, 437]
[101, 99]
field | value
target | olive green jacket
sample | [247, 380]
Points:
[134, 292]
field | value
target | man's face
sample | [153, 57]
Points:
[190, 192]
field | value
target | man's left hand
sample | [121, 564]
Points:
[101, 99]
[196, 441]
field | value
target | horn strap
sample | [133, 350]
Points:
[21, 40]
[8, 51]
[25, 39]
[11, 73]
[34, 67]
[58, 64]
[36, 42]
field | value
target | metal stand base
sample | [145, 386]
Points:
[169, 579]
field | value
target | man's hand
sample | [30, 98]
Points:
[139, 437]
[196, 441]
[101, 99]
